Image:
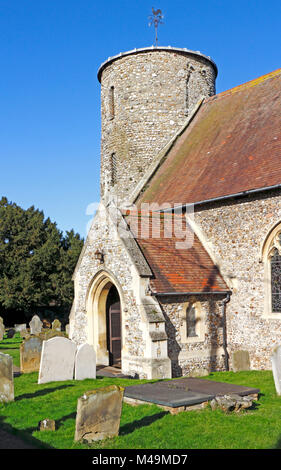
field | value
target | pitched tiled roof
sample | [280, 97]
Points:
[232, 145]
[177, 267]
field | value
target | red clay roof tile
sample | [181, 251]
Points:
[176, 269]
[232, 145]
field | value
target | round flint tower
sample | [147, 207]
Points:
[146, 95]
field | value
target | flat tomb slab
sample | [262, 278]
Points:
[184, 392]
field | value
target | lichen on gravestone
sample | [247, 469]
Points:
[6, 378]
[56, 325]
[98, 414]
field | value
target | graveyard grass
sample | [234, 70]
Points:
[145, 426]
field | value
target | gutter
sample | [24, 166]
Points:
[222, 198]
[157, 294]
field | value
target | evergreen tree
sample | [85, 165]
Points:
[36, 260]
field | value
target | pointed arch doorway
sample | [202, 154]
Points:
[113, 327]
[104, 307]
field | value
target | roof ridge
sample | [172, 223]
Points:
[243, 86]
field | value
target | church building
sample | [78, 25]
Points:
[181, 268]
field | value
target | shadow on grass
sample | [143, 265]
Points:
[60, 421]
[146, 421]
[40, 393]
[12, 438]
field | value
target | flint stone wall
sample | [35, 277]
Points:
[197, 357]
[236, 232]
[154, 92]
[102, 236]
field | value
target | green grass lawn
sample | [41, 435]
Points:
[145, 426]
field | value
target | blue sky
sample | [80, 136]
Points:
[50, 51]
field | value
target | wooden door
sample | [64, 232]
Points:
[115, 334]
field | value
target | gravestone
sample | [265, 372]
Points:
[240, 360]
[67, 329]
[276, 368]
[98, 414]
[30, 354]
[56, 325]
[20, 327]
[35, 325]
[85, 362]
[57, 360]
[2, 331]
[11, 333]
[6, 378]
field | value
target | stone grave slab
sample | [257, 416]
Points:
[30, 354]
[57, 360]
[35, 325]
[98, 413]
[6, 378]
[85, 362]
[276, 368]
[184, 392]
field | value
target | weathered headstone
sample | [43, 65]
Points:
[67, 329]
[85, 362]
[20, 327]
[11, 333]
[98, 414]
[30, 354]
[6, 378]
[35, 325]
[57, 360]
[56, 325]
[240, 360]
[276, 368]
[2, 331]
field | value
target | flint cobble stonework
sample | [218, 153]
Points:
[196, 357]
[102, 236]
[236, 232]
[145, 98]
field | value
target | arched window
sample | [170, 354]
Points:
[191, 322]
[272, 262]
[192, 325]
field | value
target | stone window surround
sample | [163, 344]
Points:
[200, 322]
[268, 245]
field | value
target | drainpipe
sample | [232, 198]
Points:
[226, 356]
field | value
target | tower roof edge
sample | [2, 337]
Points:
[155, 48]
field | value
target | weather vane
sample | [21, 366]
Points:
[155, 19]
